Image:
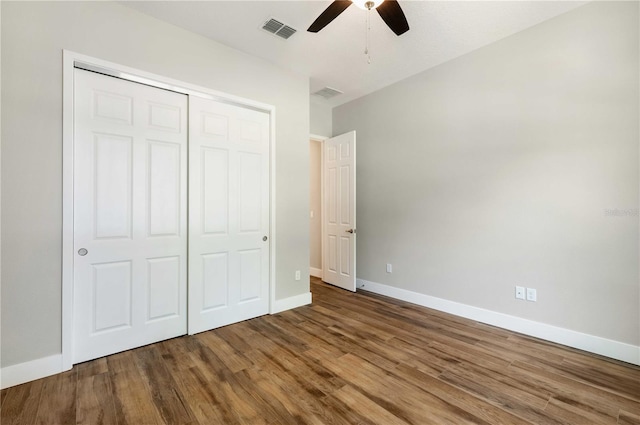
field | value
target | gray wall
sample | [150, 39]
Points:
[496, 169]
[321, 119]
[33, 36]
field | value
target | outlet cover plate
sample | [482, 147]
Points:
[532, 294]
[520, 292]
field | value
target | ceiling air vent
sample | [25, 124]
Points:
[327, 92]
[278, 28]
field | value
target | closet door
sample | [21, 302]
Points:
[130, 216]
[228, 214]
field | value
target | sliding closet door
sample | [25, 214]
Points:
[228, 214]
[130, 216]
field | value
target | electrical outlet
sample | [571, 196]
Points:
[520, 292]
[311, 214]
[389, 268]
[297, 274]
[532, 294]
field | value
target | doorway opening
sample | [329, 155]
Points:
[315, 206]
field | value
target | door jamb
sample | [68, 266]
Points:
[321, 139]
[72, 60]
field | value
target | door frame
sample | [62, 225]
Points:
[72, 60]
[321, 139]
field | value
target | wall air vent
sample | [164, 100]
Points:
[327, 92]
[278, 28]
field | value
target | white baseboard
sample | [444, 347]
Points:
[315, 272]
[47, 366]
[291, 302]
[30, 371]
[594, 344]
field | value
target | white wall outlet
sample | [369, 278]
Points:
[520, 292]
[389, 268]
[297, 274]
[532, 294]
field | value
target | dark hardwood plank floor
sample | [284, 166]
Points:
[346, 359]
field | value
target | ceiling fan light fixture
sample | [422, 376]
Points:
[389, 10]
[367, 4]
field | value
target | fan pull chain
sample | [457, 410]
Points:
[368, 30]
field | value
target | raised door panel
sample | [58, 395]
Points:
[215, 190]
[331, 189]
[214, 126]
[165, 200]
[113, 189]
[112, 107]
[165, 117]
[215, 281]
[250, 131]
[111, 300]
[250, 280]
[345, 150]
[345, 256]
[332, 257]
[164, 288]
[345, 195]
[249, 192]
[331, 154]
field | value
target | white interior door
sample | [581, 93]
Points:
[130, 218]
[339, 217]
[228, 214]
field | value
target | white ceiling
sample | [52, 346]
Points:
[334, 57]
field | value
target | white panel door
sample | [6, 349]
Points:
[339, 198]
[130, 215]
[228, 214]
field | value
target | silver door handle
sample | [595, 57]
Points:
[351, 231]
[82, 252]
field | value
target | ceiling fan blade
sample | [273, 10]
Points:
[393, 16]
[329, 14]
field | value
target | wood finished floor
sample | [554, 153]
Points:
[347, 359]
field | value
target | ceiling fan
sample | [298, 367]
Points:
[389, 11]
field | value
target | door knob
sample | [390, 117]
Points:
[264, 238]
[351, 231]
[82, 252]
